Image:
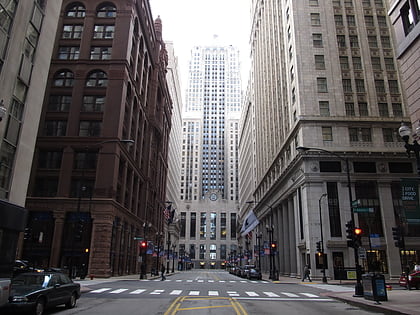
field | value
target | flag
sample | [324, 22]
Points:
[172, 215]
[167, 212]
[250, 223]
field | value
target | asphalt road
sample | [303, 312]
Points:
[199, 292]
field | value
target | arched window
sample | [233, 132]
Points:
[63, 78]
[107, 11]
[76, 10]
[97, 79]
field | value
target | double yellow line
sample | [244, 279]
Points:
[176, 305]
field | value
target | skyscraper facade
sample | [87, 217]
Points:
[209, 165]
[325, 78]
[98, 181]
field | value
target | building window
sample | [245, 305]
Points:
[192, 251]
[100, 53]
[389, 64]
[383, 109]
[334, 209]
[223, 227]
[233, 226]
[203, 227]
[393, 86]
[388, 134]
[97, 79]
[353, 134]
[193, 224]
[338, 20]
[348, 3]
[85, 160]
[322, 85]
[324, 108]
[182, 227]
[202, 251]
[63, 79]
[357, 63]
[366, 3]
[46, 187]
[350, 109]
[382, 21]
[376, 63]
[89, 128]
[373, 42]
[344, 63]
[366, 134]
[93, 103]
[55, 128]
[72, 31]
[59, 103]
[363, 110]
[341, 41]
[213, 225]
[360, 85]
[103, 32]
[369, 21]
[336, 3]
[397, 109]
[313, 3]
[68, 53]
[319, 62]
[315, 19]
[386, 42]
[409, 15]
[380, 86]
[354, 41]
[76, 10]
[327, 134]
[317, 40]
[107, 11]
[347, 86]
[351, 21]
[49, 159]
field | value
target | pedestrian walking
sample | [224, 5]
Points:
[162, 270]
[306, 274]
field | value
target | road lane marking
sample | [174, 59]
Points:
[176, 306]
[157, 292]
[194, 293]
[189, 280]
[211, 281]
[176, 292]
[100, 290]
[252, 293]
[213, 293]
[271, 294]
[138, 291]
[310, 295]
[290, 294]
[233, 293]
[118, 291]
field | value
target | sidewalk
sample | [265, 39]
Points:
[400, 301]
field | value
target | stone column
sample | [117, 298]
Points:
[292, 237]
[286, 238]
[59, 218]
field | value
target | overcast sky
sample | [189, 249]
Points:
[189, 23]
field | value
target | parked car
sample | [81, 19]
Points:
[254, 273]
[37, 291]
[246, 269]
[238, 271]
[412, 281]
[23, 266]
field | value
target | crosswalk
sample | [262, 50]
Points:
[207, 281]
[210, 293]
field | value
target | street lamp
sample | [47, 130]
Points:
[173, 257]
[159, 236]
[405, 133]
[168, 242]
[358, 290]
[259, 237]
[324, 278]
[240, 255]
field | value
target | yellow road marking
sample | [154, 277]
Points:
[175, 307]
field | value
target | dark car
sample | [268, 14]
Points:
[253, 273]
[21, 266]
[412, 281]
[245, 270]
[37, 291]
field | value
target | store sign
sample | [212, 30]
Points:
[410, 200]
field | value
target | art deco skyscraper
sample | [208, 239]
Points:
[209, 167]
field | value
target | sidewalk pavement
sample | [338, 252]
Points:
[400, 301]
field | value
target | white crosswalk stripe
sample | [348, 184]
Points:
[175, 292]
[232, 293]
[213, 293]
[310, 295]
[290, 294]
[194, 293]
[271, 294]
[138, 291]
[118, 291]
[157, 291]
[100, 290]
[252, 293]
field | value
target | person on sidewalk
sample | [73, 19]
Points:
[306, 274]
[162, 270]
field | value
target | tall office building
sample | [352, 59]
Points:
[324, 77]
[209, 166]
[98, 181]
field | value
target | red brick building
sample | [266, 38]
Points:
[91, 192]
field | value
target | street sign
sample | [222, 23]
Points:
[362, 253]
[138, 238]
[355, 203]
[363, 210]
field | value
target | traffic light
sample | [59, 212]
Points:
[78, 233]
[350, 233]
[357, 237]
[273, 247]
[143, 244]
[27, 234]
[318, 247]
[397, 233]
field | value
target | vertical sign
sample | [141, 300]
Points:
[410, 200]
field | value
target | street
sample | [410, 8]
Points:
[205, 292]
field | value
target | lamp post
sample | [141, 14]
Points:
[168, 242]
[324, 278]
[173, 257]
[159, 236]
[358, 290]
[240, 255]
[168, 221]
[259, 237]
[405, 133]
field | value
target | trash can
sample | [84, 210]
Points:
[374, 287]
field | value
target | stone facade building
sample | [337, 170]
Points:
[98, 181]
